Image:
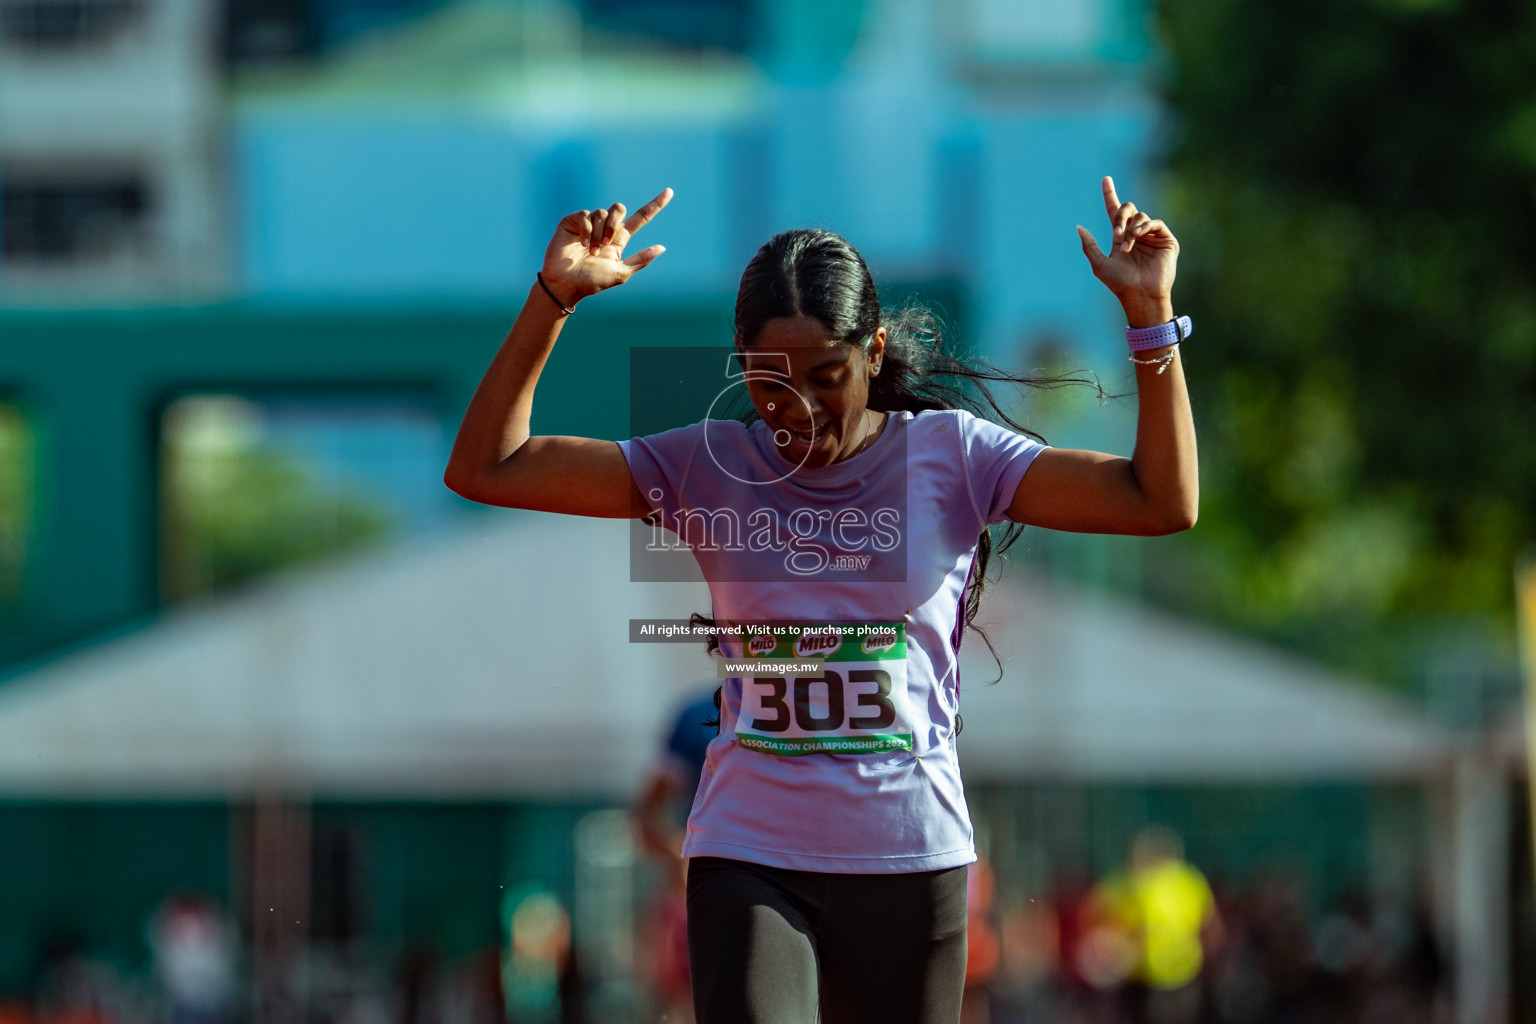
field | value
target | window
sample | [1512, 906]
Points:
[70, 218]
[1063, 27]
[66, 24]
[706, 24]
[258, 31]
[250, 485]
[1062, 33]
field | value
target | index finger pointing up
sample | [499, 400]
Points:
[642, 216]
[1111, 201]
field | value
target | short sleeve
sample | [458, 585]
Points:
[996, 459]
[661, 464]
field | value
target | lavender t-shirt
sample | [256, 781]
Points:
[886, 537]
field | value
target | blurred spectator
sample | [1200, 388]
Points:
[983, 950]
[194, 951]
[666, 796]
[417, 979]
[538, 954]
[1153, 923]
[1281, 944]
[77, 989]
[661, 813]
[479, 996]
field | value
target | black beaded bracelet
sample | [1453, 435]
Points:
[563, 308]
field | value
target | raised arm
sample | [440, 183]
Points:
[1157, 490]
[494, 460]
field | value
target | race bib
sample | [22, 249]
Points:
[858, 706]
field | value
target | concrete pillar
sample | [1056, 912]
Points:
[1480, 890]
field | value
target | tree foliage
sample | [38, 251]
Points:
[237, 508]
[17, 456]
[1355, 187]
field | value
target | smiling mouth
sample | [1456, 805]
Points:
[806, 437]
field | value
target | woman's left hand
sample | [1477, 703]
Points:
[1143, 255]
[1156, 490]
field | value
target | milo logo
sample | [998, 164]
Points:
[811, 644]
[879, 640]
[761, 645]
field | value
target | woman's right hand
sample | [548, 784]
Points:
[587, 253]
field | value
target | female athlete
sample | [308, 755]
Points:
[829, 835]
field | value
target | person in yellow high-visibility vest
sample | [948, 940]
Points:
[1164, 907]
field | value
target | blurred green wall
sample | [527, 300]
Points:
[94, 384]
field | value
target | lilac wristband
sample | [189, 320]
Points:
[1171, 333]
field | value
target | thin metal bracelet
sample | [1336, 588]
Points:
[1162, 362]
[552, 298]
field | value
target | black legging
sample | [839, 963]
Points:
[767, 945]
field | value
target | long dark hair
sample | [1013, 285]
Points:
[809, 272]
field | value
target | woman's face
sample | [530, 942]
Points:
[811, 390]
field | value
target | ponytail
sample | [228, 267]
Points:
[919, 372]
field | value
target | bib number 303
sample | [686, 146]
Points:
[856, 707]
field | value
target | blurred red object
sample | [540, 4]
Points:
[982, 949]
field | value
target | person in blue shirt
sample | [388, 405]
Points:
[661, 813]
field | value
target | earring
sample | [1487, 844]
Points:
[874, 370]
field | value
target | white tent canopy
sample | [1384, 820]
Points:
[498, 664]
[495, 664]
[1098, 688]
